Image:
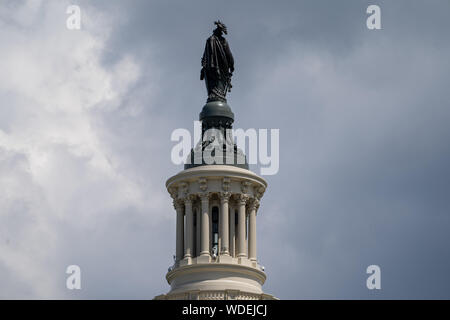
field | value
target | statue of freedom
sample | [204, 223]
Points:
[217, 65]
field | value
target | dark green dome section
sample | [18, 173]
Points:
[216, 109]
[217, 115]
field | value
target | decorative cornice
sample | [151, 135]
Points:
[217, 267]
[184, 189]
[216, 171]
[173, 191]
[226, 294]
[259, 192]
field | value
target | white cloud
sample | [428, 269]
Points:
[57, 174]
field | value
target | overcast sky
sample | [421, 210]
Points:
[86, 118]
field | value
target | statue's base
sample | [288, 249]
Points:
[216, 109]
[216, 115]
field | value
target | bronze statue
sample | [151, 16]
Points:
[217, 65]
[217, 69]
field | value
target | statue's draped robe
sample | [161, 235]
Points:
[218, 65]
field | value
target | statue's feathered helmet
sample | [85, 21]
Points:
[221, 26]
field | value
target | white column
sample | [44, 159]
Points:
[198, 233]
[241, 225]
[205, 225]
[223, 223]
[246, 233]
[180, 229]
[252, 230]
[232, 232]
[210, 228]
[189, 240]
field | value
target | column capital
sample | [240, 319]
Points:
[178, 204]
[254, 204]
[242, 199]
[224, 196]
[204, 196]
[189, 198]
